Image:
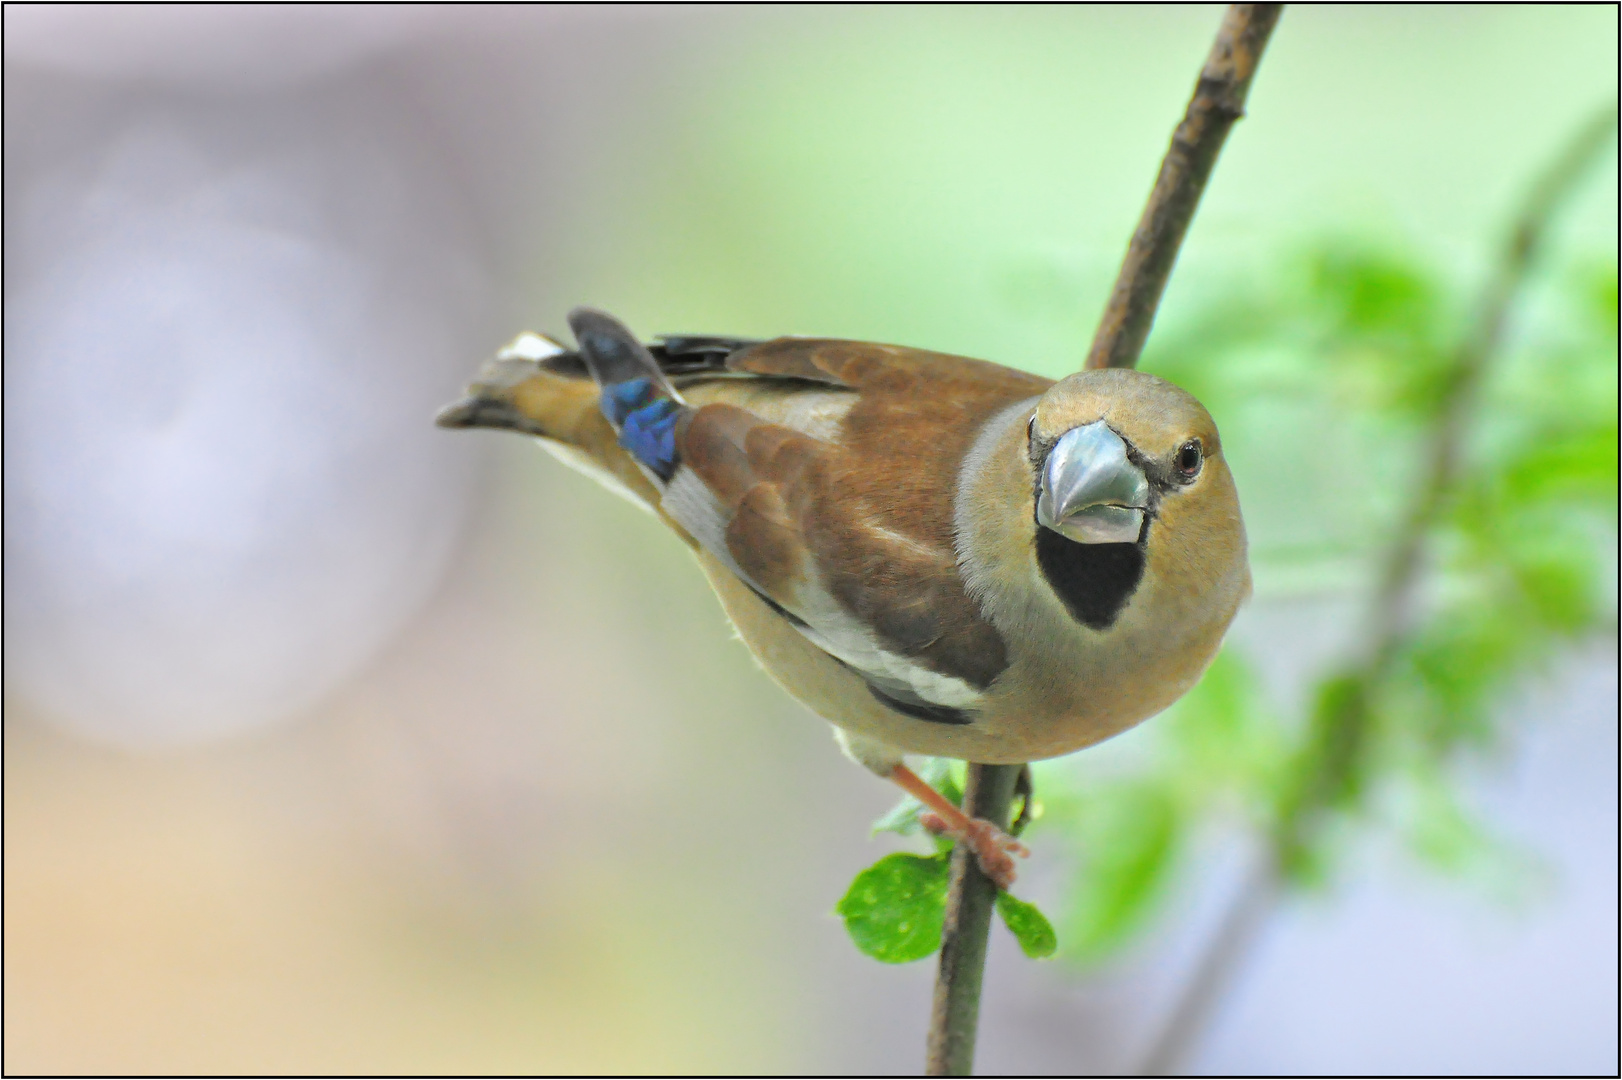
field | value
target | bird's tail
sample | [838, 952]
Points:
[605, 408]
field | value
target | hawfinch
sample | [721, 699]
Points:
[938, 555]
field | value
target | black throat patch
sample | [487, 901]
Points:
[1095, 581]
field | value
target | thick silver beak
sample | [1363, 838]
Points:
[1091, 492]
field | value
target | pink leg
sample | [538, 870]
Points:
[991, 846]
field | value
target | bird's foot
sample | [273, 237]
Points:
[993, 849]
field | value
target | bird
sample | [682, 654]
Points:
[939, 555]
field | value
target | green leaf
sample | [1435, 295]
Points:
[1601, 295]
[1027, 923]
[1438, 827]
[1381, 314]
[1221, 733]
[1369, 291]
[1211, 715]
[902, 818]
[1129, 838]
[895, 909]
[1570, 464]
[1459, 659]
[1560, 585]
[1336, 753]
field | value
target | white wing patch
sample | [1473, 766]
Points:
[530, 346]
[690, 502]
[843, 637]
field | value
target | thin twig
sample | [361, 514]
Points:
[955, 1017]
[1218, 101]
[1398, 581]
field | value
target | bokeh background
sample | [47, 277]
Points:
[337, 742]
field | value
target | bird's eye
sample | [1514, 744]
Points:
[1189, 459]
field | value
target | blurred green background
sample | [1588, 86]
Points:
[335, 742]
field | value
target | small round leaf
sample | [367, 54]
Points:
[1028, 925]
[895, 908]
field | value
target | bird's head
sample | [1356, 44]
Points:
[1129, 483]
[1111, 448]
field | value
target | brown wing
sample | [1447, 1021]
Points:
[851, 535]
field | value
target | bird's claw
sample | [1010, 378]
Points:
[993, 849]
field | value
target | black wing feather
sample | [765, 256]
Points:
[676, 355]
